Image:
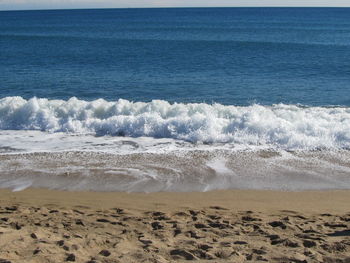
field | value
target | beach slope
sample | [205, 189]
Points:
[235, 226]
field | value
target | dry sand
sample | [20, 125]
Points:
[219, 226]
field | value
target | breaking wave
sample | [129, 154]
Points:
[282, 126]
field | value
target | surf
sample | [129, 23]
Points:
[288, 127]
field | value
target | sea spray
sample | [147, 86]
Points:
[280, 126]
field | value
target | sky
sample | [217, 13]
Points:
[58, 4]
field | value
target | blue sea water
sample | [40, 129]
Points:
[188, 99]
[232, 56]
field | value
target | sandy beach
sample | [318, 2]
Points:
[174, 131]
[219, 226]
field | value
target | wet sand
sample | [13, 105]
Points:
[219, 226]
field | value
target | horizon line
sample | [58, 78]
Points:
[162, 7]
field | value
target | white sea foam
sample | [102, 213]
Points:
[281, 126]
[219, 166]
[188, 171]
[158, 146]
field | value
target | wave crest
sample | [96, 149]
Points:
[282, 126]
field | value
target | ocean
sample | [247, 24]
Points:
[182, 99]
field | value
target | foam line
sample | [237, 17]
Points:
[282, 126]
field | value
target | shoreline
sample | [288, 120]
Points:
[260, 200]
